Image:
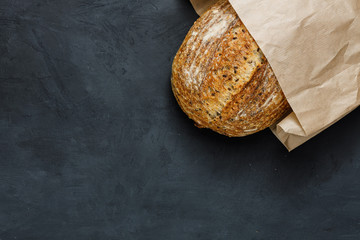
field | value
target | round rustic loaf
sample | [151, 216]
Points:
[222, 80]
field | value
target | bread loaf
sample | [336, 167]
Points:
[222, 80]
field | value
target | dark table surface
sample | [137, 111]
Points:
[94, 146]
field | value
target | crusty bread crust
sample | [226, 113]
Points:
[222, 80]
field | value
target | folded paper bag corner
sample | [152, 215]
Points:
[314, 53]
[290, 132]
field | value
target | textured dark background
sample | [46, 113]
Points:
[94, 146]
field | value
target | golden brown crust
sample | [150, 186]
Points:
[222, 80]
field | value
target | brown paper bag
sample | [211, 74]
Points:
[313, 47]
